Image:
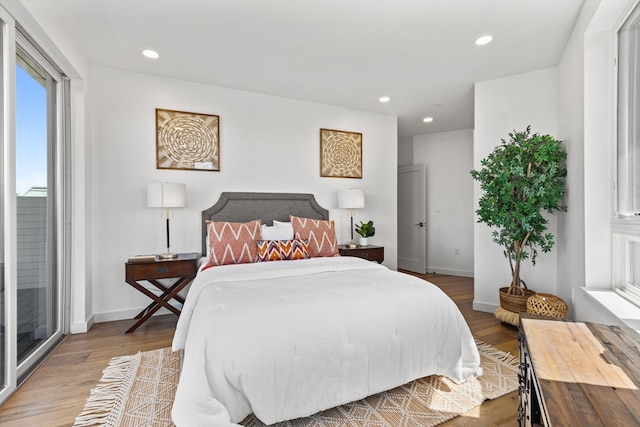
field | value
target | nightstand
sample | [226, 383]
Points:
[369, 252]
[183, 268]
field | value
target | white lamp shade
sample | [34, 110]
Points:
[351, 199]
[166, 195]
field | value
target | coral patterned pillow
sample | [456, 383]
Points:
[320, 234]
[233, 242]
[281, 250]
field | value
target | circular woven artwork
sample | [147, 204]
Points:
[187, 140]
[340, 154]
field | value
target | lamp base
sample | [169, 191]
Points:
[168, 256]
[352, 245]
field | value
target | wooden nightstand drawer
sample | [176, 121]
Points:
[370, 252]
[160, 269]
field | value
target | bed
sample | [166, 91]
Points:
[287, 338]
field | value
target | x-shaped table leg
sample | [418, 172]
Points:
[159, 301]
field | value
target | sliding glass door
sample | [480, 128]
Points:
[7, 294]
[32, 213]
[37, 290]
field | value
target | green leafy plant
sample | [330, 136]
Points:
[366, 229]
[521, 178]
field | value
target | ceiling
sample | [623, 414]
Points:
[347, 53]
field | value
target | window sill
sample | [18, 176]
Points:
[628, 313]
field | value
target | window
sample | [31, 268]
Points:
[626, 221]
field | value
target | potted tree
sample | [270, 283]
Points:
[365, 230]
[522, 178]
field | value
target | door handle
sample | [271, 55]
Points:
[420, 224]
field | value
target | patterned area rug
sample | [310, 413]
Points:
[134, 391]
[138, 390]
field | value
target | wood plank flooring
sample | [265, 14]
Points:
[56, 392]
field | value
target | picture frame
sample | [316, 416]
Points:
[187, 141]
[340, 154]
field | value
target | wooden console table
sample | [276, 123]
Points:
[578, 374]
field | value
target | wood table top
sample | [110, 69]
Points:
[589, 374]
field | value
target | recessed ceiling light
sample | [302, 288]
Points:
[384, 99]
[150, 54]
[480, 41]
[427, 119]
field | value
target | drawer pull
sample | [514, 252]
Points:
[161, 270]
[365, 254]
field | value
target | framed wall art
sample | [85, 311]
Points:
[189, 141]
[340, 154]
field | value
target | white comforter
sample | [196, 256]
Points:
[287, 339]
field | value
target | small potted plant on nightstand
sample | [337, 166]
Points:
[365, 230]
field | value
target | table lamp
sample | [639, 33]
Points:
[166, 195]
[351, 199]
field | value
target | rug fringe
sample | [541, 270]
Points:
[497, 355]
[110, 392]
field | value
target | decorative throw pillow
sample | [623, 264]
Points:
[281, 250]
[320, 234]
[277, 231]
[233, 242]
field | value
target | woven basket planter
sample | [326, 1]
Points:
[514, 298]
[547, 305]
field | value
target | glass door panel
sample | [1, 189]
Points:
[37, 295]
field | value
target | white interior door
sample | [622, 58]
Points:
[412, 227]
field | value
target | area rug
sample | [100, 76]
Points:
[138, 390]
[134, 391]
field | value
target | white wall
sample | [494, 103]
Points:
[586, 122]
[502, 106]
[448, 158]
[268, 144]
[405, 151]
[571, 226]
[599, 144]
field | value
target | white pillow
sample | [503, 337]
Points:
[279, 231]
[285, 225]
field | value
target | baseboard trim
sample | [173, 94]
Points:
[82, 327]
[129, 314]
[484, 306]
[450, 272]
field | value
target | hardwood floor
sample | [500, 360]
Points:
[56, 392]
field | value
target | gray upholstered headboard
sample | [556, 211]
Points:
[243, 207]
